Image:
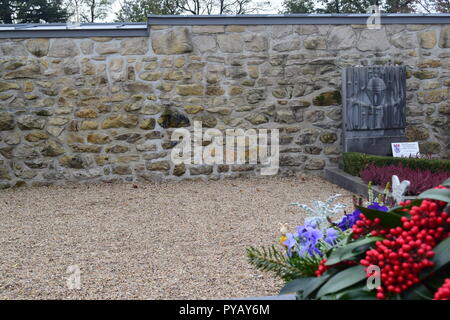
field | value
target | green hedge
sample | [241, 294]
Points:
[354, 162]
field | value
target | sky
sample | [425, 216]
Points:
[274, 9]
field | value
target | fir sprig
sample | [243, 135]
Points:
[273, 260]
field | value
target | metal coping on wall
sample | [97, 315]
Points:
[62, 30]
[277, 19]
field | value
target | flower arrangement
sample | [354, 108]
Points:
[375, 252]
[302, 250]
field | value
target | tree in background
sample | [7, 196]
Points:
[442, 6]
[96, 10]
[89, 10]
[35, 11]
[298, 6]
[400, 6]
[327, 6]
[137, 10]
[197, 7]
[411, 6]
[74, 6]
[361, 6]
[345, 6]
[32, 11]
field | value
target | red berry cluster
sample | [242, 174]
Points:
[322, 267]
[431, 218]
[441, 204]
[407, 249]
[443, 292]
[400, 261]
[365, 226]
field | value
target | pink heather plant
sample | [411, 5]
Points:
[421, 180]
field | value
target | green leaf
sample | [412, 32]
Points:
[436, 194]
[436, 280]
[357, 294]
[388, 219]
[329, 297]
[441, 257]
[359, 291]
[342, 280]
[305, 285]
[350, 250]
[418, 292]
[446, 183]
[398, 209]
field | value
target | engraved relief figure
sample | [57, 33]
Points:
[374, 104]
[375, 91]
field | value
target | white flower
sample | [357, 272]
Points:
[320, 211]
[284, 228]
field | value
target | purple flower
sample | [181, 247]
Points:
[310, 249]
[376, 206]
[310, 233]
[308, 240]
[332, 235]
[309, 236]
[290, 242]
[350, 219]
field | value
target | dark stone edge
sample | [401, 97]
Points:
[352, 183]
[346, 181]
[58, 30]
[276, 19]
[61, 30]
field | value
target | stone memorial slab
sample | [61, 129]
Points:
[374, 102]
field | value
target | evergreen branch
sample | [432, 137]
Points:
[271, 259]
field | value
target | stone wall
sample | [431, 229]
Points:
[84, 109]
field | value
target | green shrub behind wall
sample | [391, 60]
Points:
[354, 162]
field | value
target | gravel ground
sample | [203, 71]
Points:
[175, 240]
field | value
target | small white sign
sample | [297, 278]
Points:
[405, 149]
